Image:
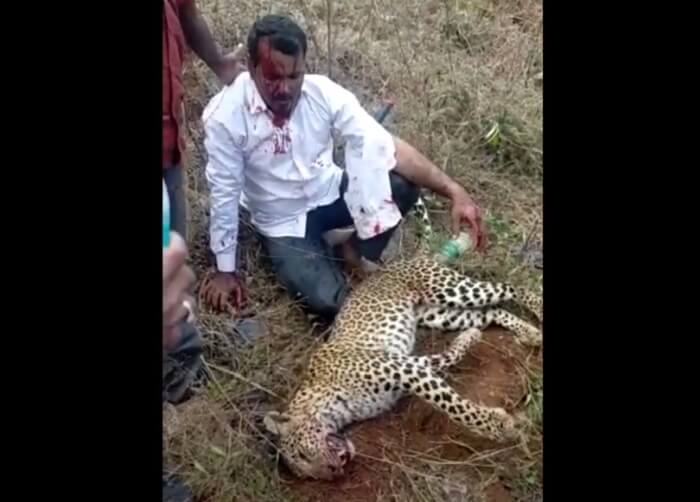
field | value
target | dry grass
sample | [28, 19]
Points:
[454, 69]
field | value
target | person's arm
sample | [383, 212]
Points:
[369, 157]
[365, 136]
[224, 291]
[415, 167]
[200, 40]
[361, 130]
[224, 173]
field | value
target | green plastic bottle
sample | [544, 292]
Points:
[454, 248]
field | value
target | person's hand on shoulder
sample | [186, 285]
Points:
[231, 65]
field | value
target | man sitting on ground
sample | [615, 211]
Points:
[270, 147]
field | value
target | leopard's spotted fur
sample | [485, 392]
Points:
[367, 363]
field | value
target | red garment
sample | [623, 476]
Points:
[173, 89]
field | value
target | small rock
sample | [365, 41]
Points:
[250, 329]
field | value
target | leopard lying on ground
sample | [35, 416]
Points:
[366, 365]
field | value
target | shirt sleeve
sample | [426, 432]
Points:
[224, 172]
[370, 153]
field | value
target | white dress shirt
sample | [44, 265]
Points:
[281, 173]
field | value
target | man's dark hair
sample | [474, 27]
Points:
[285, 36]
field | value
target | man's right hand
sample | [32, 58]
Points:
[224, 292]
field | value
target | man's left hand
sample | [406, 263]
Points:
[464, 210]
[231, 65]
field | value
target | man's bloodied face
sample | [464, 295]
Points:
[278, 78]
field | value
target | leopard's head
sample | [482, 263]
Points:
[308, 447]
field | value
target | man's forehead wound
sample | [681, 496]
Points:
[270, 68]
[265, 48]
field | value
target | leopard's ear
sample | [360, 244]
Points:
[277, 423]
